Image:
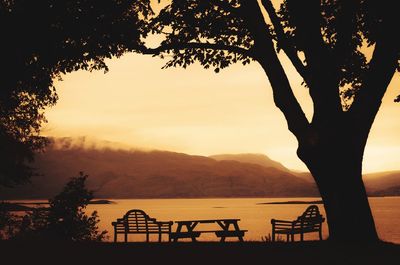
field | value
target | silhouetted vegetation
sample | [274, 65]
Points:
[41, 40]
[8, 222]
[65, 219]
[346, 52]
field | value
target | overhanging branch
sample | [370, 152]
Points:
[265, 54]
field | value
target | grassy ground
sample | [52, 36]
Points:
[245, 253]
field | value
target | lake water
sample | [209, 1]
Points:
[255, 216]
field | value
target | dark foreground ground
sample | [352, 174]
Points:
[14, 252]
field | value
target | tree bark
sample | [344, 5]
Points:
[335, 161]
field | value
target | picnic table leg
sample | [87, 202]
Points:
[235, 224]
[190, 228]
[225, 227]
[292, 237]
[287, 237]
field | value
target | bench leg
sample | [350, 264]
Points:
[273, 236]
[301, 236]
[287, 237]
[147, 237]
[159, 237]
[320, 234]
[126, 237]
[292, 237]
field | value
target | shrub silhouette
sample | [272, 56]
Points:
[65, 219]
[8, 222]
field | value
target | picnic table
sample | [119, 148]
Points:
[222, 232]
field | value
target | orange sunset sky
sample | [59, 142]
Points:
[196, 111]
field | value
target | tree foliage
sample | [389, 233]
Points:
[337, 32]
[217, 25]
[41, 40]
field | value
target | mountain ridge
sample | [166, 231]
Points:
[120, 173]
[157, 174]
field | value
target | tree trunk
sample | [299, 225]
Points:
[336, 166]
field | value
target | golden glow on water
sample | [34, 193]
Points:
[254, 217]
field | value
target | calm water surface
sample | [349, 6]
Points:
[255, 216]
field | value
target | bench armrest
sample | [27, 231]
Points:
[119, 221]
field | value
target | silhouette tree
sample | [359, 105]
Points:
[327, 42]
[40, 41]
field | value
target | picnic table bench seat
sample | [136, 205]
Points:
[138, 222]
[218, 233]
[310, 221]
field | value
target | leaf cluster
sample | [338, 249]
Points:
[217, 23]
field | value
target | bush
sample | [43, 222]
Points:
[8, 222]
[65, 219]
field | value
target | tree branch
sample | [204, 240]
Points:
[283, 41]
[346, 25]
[265, 54]
[306, 15]
[194, 45]
[323, 79]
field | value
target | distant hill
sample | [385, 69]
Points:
[157, 174]
[258, 159]
[383, 183]
[161, 174]
[376, 184]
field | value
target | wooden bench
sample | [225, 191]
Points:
[310, 221]
[138, 222]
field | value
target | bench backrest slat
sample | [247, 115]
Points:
[136, 220]
[311, 218]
